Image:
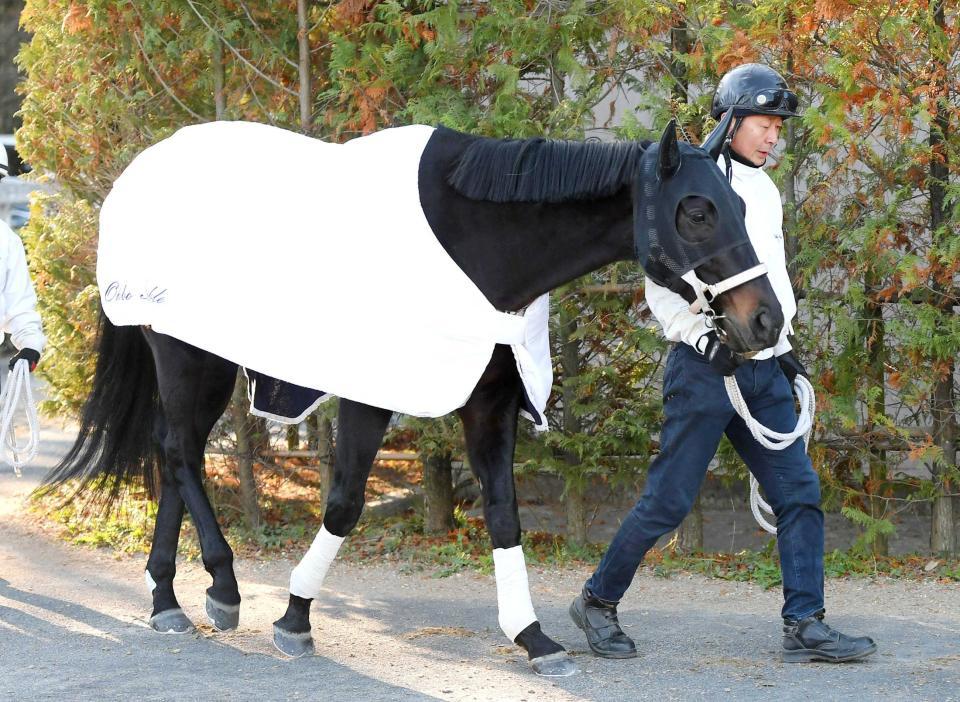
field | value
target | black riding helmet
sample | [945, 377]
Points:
[754, 89]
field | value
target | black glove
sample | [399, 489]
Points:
[721, 358]
[33, 357]
[791, 367]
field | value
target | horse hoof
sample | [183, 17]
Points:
[171, 621]
[554, 665]
[224, 617]
[291, 644]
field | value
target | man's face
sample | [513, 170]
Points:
[757, 136]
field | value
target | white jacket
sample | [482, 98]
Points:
[18, 301]
[764, 220]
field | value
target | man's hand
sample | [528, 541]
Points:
[721, 358]
[792, 367]
[29, 355]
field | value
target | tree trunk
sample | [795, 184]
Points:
[680, 39]
[219, 93]
[242, 430]
[303, 45]
[325, 456]
[259, 434]
[877, 478]
[303, 71]
[313, 439]
[576, 531]
[249, 432]
[943, 536]
[11, 37]
[690, 533]
[790, 243]
[438, 493]
[293, 437]
[575, 503]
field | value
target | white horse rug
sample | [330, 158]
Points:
[309, 262]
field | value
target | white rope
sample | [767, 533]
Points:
[771, 439]
[18, 383]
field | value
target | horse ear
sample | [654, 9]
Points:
[669, 151]
[714, 141]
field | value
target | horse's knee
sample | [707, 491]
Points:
[342, 512]
[503, 524]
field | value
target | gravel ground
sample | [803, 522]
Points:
[73, 626]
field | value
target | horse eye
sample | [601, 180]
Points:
[698, 217]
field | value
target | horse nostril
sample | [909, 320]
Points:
[766, 322]
[762, 320]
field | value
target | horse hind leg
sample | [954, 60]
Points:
[167, 617]
[195, 387]
[360, 430]
[490, 428]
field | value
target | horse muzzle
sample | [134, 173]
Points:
[756, 330]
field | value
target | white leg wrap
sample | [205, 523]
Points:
[306, 580]
[513, 591]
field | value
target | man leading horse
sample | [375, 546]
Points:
[698, 412]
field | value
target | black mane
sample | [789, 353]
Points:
[542, 170]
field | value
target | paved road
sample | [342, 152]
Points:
[72, 626]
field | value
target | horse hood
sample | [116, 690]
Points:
[662, 251]
[325, 274]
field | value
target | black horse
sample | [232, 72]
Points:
[519, 217]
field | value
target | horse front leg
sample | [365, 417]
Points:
[490, 428]
[360, 430]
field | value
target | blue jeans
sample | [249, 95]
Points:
[698, 413]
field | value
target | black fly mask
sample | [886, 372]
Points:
[670, 171]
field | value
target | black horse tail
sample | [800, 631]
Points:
[116, 447]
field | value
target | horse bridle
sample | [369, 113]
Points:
[706, 293]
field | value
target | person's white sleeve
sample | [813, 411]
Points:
[21, 319]
[783, 346]
[674, 315]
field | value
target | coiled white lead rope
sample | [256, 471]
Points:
[773, 439]
[18, 383]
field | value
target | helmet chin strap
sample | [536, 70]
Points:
[728, 145]
[706, 293]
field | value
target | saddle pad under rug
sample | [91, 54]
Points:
[320, 270]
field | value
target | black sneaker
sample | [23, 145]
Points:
[598, 619]
[810, 640]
